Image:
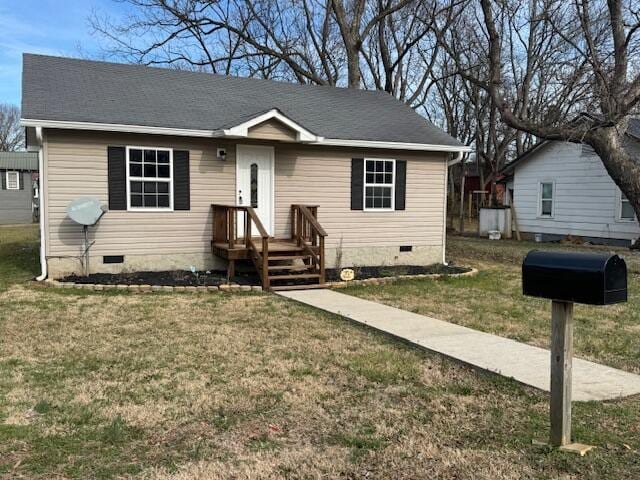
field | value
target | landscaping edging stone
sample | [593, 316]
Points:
[98, 287]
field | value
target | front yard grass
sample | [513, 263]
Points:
[158, 386]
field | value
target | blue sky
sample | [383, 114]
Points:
[52, 27]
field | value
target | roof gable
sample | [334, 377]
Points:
[273, 130]
[273, 116]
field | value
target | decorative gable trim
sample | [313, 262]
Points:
[242, 130]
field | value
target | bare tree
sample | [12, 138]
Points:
[11, 133]
[402, 56]
[355, 22]
[308, 41]
[596, 51]
[534, 65]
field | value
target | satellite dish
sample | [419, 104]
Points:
[85, 210]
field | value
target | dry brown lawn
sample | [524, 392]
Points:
[191, 386]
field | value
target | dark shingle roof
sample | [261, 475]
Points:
[19, 161]
[65, 89]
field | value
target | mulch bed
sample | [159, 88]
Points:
[219, 277]
[173, 278]
[362, 273]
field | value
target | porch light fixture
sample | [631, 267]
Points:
[221, 153]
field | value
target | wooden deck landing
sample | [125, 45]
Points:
[241, 252]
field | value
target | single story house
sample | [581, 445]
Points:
[561, 188]
[202, 170]
[18, 187]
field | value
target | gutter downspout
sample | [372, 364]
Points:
[456, 159]
[43, 256]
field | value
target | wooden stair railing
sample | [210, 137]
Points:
[260, 259]
[225, 231]
[307, 232]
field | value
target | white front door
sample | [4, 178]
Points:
[254, 184]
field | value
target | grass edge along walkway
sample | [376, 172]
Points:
[524, 363]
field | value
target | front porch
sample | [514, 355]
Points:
[297, 262]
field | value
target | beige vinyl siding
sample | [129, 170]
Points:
[76, 165]
[272, 130]
[323, 177]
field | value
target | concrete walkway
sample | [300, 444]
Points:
[524, 363]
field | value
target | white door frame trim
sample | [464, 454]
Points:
[272, 163]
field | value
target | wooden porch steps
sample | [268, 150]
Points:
[291, 268]
[294, 276]
[296, 287]
[278, 246]
[291, 257]
[283, 263]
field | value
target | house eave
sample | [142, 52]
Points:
[393, 145]
[241, 131]
[114, 127]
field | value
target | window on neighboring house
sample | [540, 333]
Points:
[13, 180]
[379, 184]
[626, 209]
[149, 178]
[546, 199]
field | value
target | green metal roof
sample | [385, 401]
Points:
[19, 161]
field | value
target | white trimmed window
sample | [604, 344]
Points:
[546, 199]
[149, 178]
[626, 209]
[379, 184]
[13, 180]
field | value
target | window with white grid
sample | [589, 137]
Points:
[379, 184]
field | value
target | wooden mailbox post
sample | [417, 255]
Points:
[561, 372]
[565, 278]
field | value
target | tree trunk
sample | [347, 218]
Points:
[353, 66]
[462, 179]
[622, 168]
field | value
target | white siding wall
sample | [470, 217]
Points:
[586, 201]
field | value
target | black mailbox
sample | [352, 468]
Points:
[592, 278]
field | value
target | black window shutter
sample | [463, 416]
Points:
[3, 173]
[117, 173]
[401, 184]
[21, 180]
[181, 180]
[357, 186]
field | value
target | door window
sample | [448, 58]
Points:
[254, 185]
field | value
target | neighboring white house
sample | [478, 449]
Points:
[561, 189]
